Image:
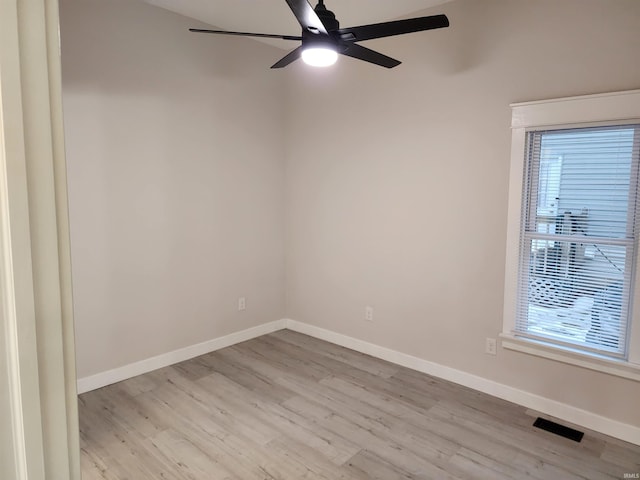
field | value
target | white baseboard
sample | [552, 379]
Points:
[544, 405]
[147, 365]
[586, 419]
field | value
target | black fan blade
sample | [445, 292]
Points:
[246, 34]
[388, 29]
[362, 53]
[307, 16]
[290, 57]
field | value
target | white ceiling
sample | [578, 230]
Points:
[274, 16]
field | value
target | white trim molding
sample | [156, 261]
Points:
[103, 379]
[39, 433]
[590, 420]
[567, 355]
[602, 107]
[587, 110]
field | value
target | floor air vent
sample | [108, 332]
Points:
[558, 429]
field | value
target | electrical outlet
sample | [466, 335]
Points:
[368, 314]
[490, 346]
[242, 303]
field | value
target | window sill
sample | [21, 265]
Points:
[619, 368]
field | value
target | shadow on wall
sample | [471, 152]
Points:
[479, 31]
[132, 43]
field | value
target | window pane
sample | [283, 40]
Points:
[587, 172]
[575, 294]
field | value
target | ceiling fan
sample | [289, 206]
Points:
[323, 39]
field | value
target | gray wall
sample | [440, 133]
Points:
[176, 172]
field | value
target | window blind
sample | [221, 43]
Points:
[578, 237]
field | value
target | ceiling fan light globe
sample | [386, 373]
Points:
[319, 56]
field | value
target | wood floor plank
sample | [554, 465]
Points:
[626, 457]
[286, 422]
[374, 420]
[188, 460]
[478, 466]
[287, 406]
[307, 345]
[246, 376]
[371, 466]
[123, 409]
[419, 399]
[211, 415]
[416, 455]
[376, 399]
[311, 463]
[284, 357]
[232, 448]
[94, 466]
[140, 384]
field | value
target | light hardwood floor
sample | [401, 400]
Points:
[287, 406]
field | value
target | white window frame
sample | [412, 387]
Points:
[583, 111]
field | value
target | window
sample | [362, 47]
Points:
[572, 236]
[577, 240]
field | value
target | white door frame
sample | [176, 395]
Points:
[39, 436]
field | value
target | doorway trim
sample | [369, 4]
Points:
[39, 434]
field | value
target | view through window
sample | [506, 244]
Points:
[578, 237]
